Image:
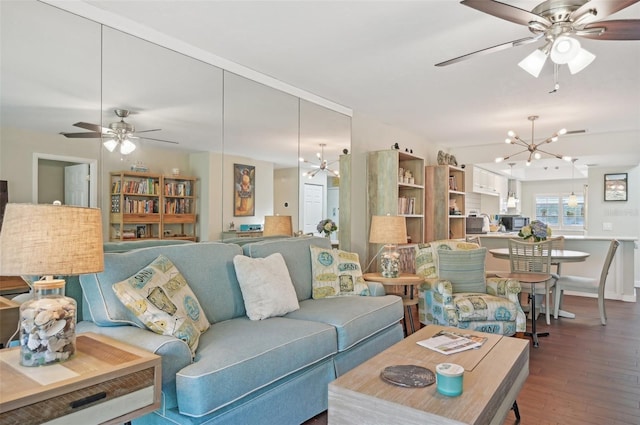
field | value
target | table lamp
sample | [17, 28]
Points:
[389, 230]
[277, 225]
[47, 241]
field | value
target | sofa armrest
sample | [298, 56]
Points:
[435, 303]
[175, 353]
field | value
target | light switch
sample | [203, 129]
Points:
[607, 226]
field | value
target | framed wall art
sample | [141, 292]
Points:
[244, 190]
[615, 187]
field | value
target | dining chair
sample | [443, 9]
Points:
[557, 243]
[588, 285]
[533, 257]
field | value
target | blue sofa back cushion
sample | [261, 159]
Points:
[206, 266]
[296, 255]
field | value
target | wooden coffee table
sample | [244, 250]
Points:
[494, 375]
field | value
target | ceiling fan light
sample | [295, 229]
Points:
[581, 61]
[534, 62]
[127, 146]
[564, 49]
[110, 145]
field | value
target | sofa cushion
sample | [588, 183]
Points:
[160, 297]
[266, 286]
[465, 269]
[295, 252]
[336, 273]
[355, 318]
[239, 357]
[207, 266]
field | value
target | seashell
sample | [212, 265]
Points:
[56, 344]
[28, 313]
[28, 326]
[34, 342]
[43, 317]
[55, 327]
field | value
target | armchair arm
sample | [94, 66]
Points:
[509, 289]
[435, 303]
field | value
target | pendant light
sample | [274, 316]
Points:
[573, 199]
[511, 199]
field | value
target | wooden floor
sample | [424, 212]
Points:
[583, 373]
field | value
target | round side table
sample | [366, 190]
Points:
[407, 281]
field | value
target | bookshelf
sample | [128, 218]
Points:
[445, 203]
[152, 206]
[396, 186]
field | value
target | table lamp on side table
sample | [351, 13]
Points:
[47, 241]
[389, 230]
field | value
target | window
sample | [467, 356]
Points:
[555, 211]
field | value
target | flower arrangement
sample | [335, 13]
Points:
[326, 226]
[537, 230]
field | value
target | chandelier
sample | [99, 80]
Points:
[322, 166]
[533, 148]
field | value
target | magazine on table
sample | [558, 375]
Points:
[449, 342]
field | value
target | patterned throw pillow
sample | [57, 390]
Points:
[266, 286]
[336, 273]
[465, 269]
[160, 297]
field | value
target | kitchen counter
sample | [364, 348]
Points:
[514, 235]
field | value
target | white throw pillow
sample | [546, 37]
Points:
[266, 286]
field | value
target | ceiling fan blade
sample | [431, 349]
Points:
[488, 50]
[158, 140]
[146, 131]
[91, 135]
[620, 29]
[506, 12]
[603, 8]
[92, 127]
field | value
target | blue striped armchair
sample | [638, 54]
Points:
[457, 292]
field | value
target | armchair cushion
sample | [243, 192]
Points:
[465, 269]
[427, 255]
[473, 307]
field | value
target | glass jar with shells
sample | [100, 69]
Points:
[47, 325]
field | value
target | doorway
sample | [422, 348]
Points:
[313, 207]
[71, 180]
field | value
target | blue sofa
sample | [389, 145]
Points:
[272, 371]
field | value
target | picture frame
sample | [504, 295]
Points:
[141, 231]
[615, 187]
[244, 190]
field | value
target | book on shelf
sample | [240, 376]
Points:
[449, 342]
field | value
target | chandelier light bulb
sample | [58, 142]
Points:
[499, 159]
[537, 155]
[507, 141]
[567, 158]
[562, 131]
[528, 162]
[511, 133]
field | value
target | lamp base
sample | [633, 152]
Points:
[390, 264]
[47, 325]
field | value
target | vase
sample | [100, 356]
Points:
[47, 325]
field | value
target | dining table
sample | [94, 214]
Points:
[558, 256]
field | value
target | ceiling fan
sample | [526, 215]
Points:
[118, 134]
[557, 23]
[322, 166]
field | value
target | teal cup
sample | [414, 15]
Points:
[449, 378]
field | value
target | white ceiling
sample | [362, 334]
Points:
[377, 58]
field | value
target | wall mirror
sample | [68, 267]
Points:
[76, 70]
[260, 131]
[50, 78]
[329, 133]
